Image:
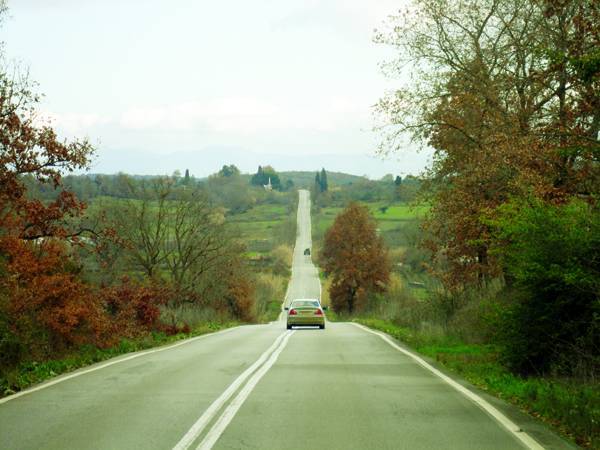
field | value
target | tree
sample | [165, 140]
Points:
[176, 237]
[289, 185]
[142, 224]
[29, 149]
[356, 257]
[263, 175]
[551, 252]
[503, 91]
[44, 305]
[230, 171]
[398, 180]
[324, 186]
[186, 178]
[231, 192]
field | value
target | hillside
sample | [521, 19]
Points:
[306, 179]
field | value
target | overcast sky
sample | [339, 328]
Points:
[159, 85]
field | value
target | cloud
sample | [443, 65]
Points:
[73, 124]
[249, 115]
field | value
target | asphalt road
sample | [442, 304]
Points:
[262, 387]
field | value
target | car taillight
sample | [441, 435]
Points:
[293, 312]
[318, 312]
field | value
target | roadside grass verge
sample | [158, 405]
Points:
[571, 408]
[34, 372]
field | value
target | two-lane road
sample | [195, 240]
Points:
[263, 387]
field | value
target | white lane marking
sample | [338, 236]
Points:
[108, 364]
[513, 428]
[207, 416]
[219, 427]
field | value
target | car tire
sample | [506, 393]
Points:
[322, 327]
[289, 327]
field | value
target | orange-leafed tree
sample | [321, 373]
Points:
[133, 309]
[356, 257]
[44, 306]
[47, 308]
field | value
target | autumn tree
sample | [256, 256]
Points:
[356, 258]
[44, 306]
[504, 93]
[507, 94]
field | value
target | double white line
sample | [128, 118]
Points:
[259, 369]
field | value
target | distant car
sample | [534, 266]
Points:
[307, 252]
[308, 312]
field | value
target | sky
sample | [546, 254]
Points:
[160, 85]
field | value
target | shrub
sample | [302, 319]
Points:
[282, 260]
[133, 309]
[45, 308]
[269, 293]
[550, 254]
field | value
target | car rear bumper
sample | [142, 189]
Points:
[309, 320]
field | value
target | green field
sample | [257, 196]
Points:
[264, 227]
[395, 217]
[398, 212]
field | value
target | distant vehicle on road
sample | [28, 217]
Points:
[307, 252]
[306, 312]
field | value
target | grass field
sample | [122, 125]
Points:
[265, 226]
[397, 213]
[388, 217]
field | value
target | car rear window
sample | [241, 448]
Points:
[301, 303]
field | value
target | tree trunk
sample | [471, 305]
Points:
[350, 299]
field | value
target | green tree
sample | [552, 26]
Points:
[324, 185]
[263, 175]
[551, 253]
[356, 257]
[230, 171]
[289, 185]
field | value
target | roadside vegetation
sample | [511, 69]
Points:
[142, 261]
[92, 266]
[135, 262]
[475, 331]
[495, 269]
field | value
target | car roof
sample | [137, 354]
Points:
[306, 300]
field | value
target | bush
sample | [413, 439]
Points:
[282, 260]
[550, 254]
[133, 309]
[269, 293]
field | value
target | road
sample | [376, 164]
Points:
[262, 387]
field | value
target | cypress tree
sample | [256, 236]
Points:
[324, 184]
